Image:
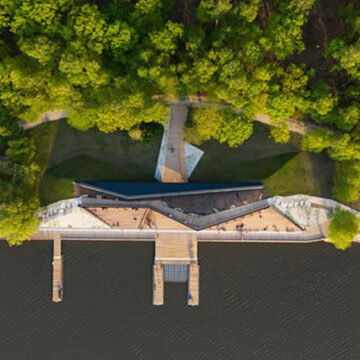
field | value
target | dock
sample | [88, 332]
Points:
[193, 285]
[158, 290]
[57, 288]
[176, 260]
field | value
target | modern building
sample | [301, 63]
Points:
[176, 217]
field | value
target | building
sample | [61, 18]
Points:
[176, 216]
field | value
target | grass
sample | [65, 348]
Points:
[92, 155]
[301, 176]
[68, 155]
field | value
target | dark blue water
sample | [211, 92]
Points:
[276, 302]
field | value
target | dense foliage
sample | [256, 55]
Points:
[18, 182]
[343, 228]
[103, 62]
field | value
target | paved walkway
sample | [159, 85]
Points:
[295, 125]
[175, 166]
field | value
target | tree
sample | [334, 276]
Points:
[343, 229]
[213, 9]
[205, 124]
[280, 132]
[236, 128]
[18, 220]
[19, 203]
[347, 182]
[166, 40]
[342, 148]
[316, 140]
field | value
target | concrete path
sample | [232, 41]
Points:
[44, 118]
[295, 125]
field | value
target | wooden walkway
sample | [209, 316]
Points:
[158, 284]
[193, 285]
[176, 249]
[57, 288]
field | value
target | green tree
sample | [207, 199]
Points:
[280, 132]
[316, 140]
[18, 220]
[343, 229]
[166, 40]
[213, 9]
[236, 128]
[347, 181]
[205, 124]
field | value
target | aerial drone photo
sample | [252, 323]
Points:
[179, 179]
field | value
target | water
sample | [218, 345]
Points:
[276, 302]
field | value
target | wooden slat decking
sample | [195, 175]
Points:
[158, 284]
[172, 248]
[57, 288]
[193, 285]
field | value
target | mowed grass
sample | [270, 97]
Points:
[71, 155]
[305, 173]
[74, 155]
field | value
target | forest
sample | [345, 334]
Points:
[108, 64]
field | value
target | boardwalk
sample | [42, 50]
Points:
[175, 165]
[57, 288]
[158, 285]
[193, 285]
[176, 248]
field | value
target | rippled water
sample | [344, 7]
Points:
[277, 302]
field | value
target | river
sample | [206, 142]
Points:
[275, 302]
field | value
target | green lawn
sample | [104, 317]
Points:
[304, 174]
[283, 168]
[68, 155]
[92, 155]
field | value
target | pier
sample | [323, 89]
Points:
[193, 285]
[57, 288]
[176, 260]
[158, 290]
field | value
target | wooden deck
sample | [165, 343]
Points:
[57, 288]
[193, 285]
[176, 248]
[158, 284]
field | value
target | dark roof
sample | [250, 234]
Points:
[149, 190]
